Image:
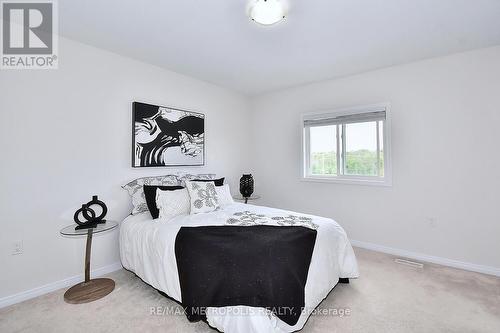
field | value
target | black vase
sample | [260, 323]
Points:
[246, 185]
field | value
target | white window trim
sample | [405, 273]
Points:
[345, 179]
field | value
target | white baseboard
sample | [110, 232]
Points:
[427, 258]
[25, 295]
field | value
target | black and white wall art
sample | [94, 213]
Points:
[165, 136]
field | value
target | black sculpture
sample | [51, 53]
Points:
[91, 220]
[246, 185]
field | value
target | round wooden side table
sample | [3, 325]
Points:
[90, 289]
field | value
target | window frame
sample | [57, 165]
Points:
[386, 180]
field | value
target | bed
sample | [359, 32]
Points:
[147, 248]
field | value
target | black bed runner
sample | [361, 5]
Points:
[258, 266]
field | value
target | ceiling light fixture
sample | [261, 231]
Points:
[267, 12]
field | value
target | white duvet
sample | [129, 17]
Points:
[147, 249]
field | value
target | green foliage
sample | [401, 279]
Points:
[360, 162]
[324, 163]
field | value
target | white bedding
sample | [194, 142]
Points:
[147, 249]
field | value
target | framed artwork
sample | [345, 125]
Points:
[164, 136]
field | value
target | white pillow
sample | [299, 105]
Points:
[203, 196]
[172, 203]
[224, 195]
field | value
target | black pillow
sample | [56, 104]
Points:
[218, 182]
[150, 194]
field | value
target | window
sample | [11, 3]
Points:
[350, 146]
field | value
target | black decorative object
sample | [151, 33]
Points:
[246, 185]
[165, 136]
[96, 201]
[88, 222]
[91, 220]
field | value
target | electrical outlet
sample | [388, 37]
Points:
[17, 247]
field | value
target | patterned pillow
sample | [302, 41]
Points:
[203, 197]
[136, 191]
[205, 176]
[172, 203]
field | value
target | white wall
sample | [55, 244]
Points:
[66, 134]
[445, 136]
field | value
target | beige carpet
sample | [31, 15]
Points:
[387, 298]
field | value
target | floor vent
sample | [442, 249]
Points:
[408, 263]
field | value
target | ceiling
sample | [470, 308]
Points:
[321, 39]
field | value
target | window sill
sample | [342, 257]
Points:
[347, 180]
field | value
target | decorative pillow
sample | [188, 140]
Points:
[150, 194]
[224, 195]
[217, 182]
[203, 196]
[203, 176]
[135, 189]
[172, 203]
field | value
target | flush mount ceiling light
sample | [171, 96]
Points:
[267, 12]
